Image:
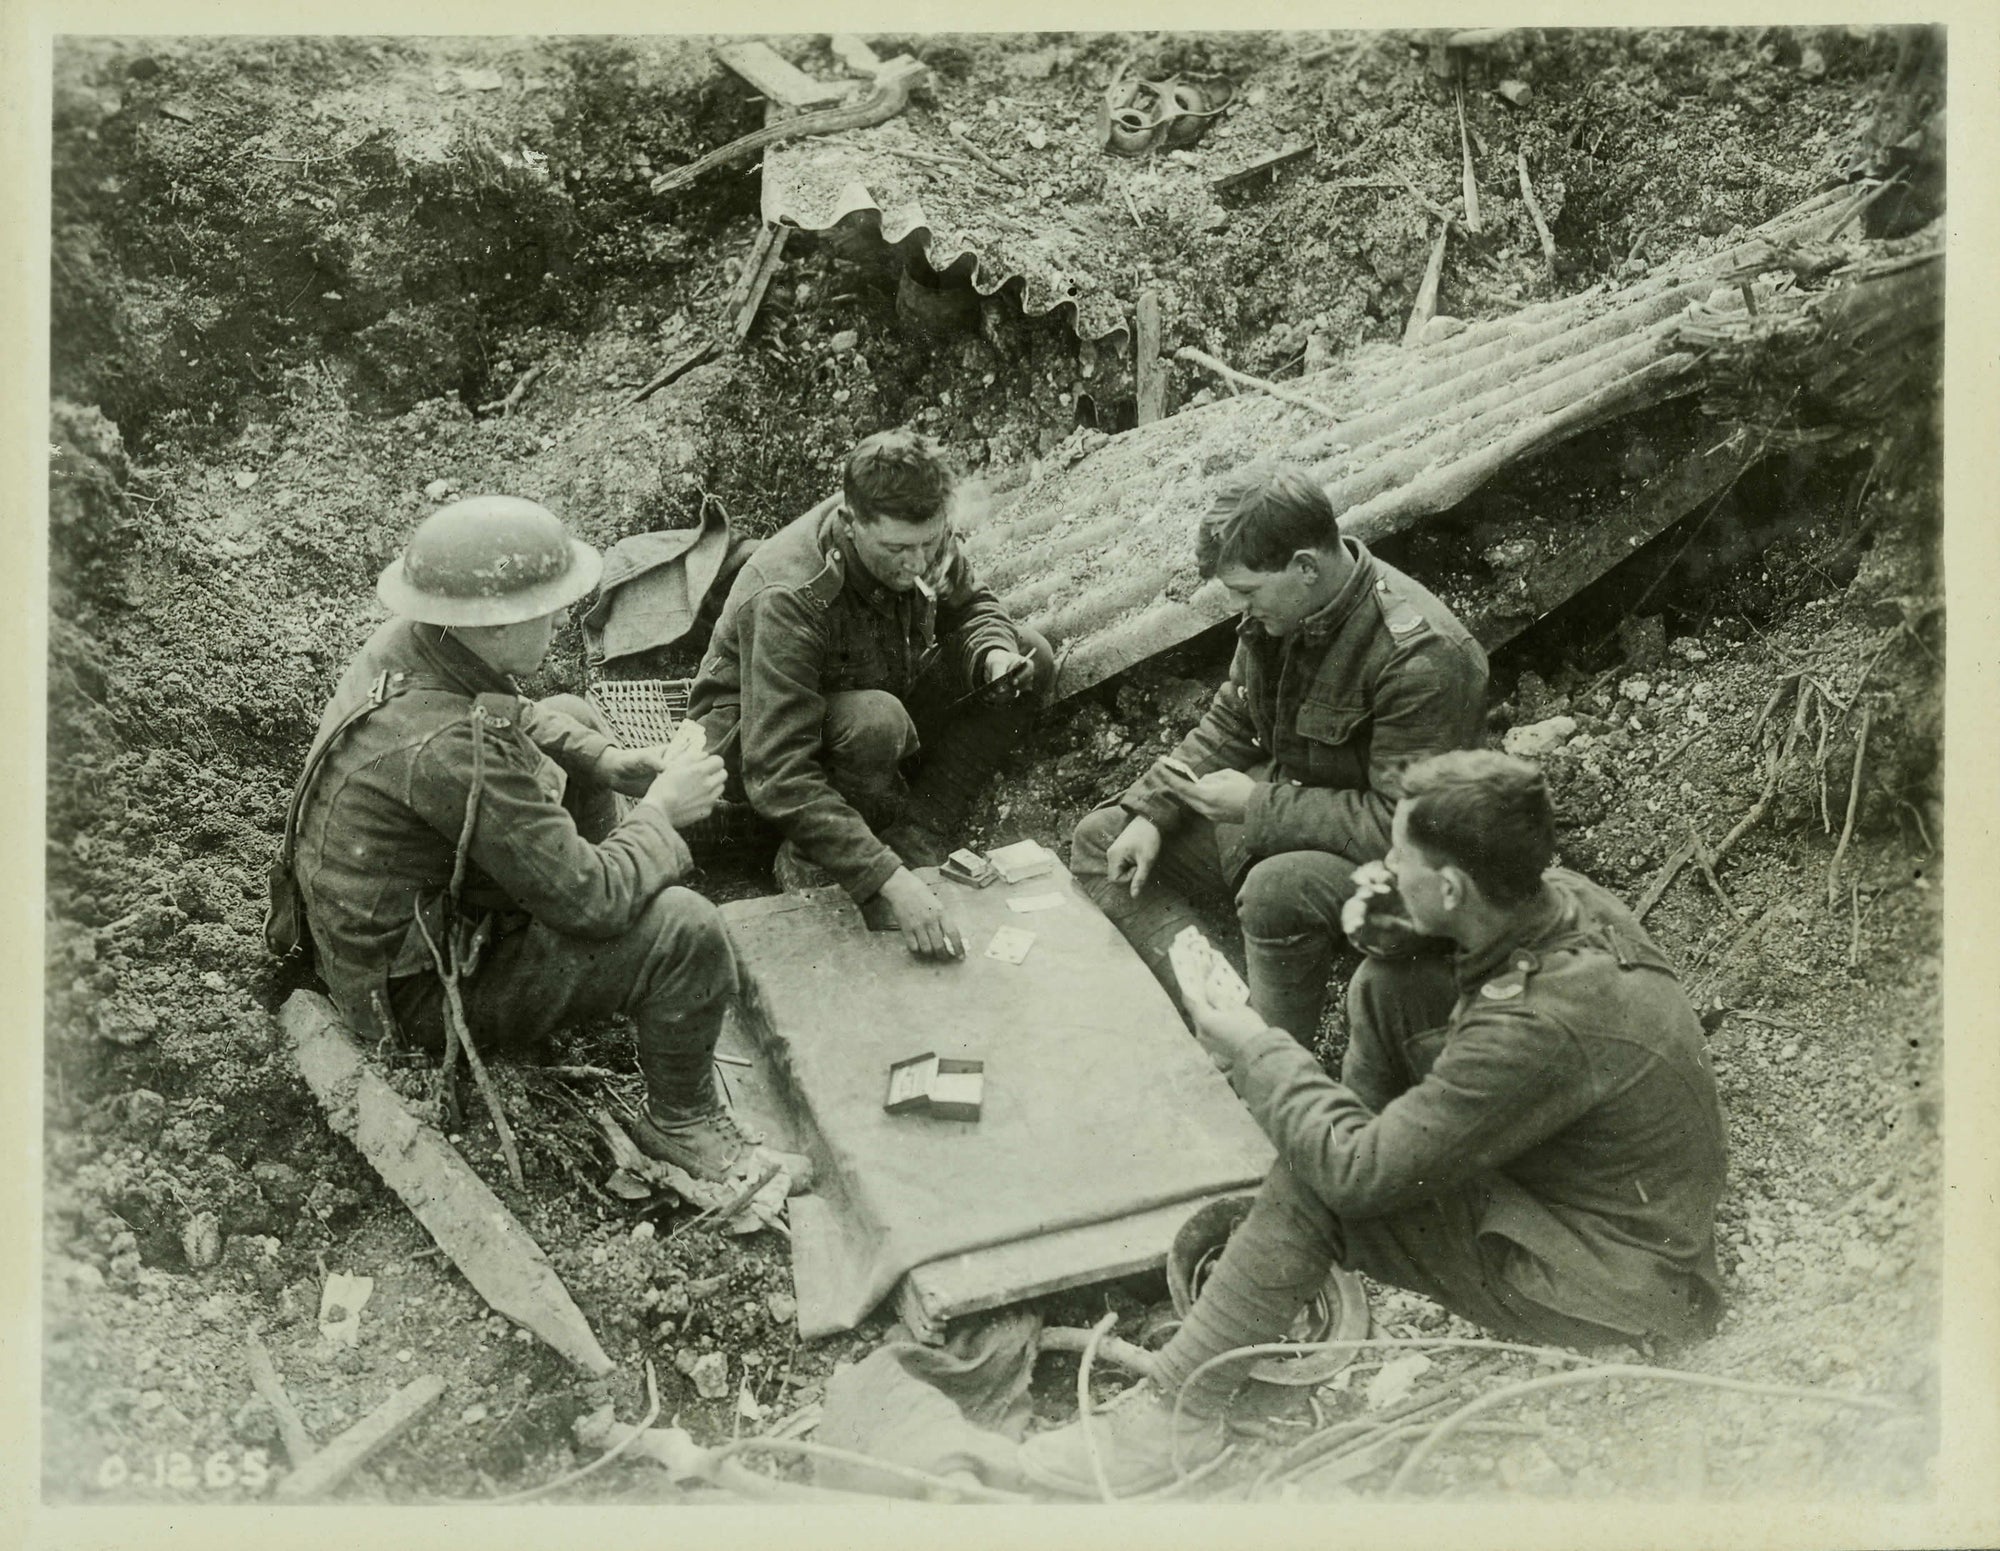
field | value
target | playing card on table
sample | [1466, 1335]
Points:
[1022, 904]
[1010, 945]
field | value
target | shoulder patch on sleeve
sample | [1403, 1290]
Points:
[497, 710]
[1403, 618]
[1505, 988]
[825, 584]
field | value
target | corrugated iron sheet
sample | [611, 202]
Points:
[1098, 551]
[883, 177]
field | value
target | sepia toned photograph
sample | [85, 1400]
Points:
[995, 768]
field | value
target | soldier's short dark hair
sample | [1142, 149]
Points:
[897, 474]
[1263, 516]
[1486, 813]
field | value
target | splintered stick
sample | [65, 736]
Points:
[1471, 183]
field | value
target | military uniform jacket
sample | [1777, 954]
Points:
[1571, 1089]
[1330, 715]
[379, 830]
[806, 620]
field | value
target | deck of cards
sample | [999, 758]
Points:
[1022, 860]
[943, 1087]
[970, 869]
[1204, 974]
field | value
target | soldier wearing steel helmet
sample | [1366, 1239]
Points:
[447, 825]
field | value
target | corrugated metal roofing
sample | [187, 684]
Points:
[1098, 553]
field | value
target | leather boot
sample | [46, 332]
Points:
[1140, 1443]
[1287, 978]
[687, 1121]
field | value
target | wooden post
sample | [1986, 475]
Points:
[770, 252]
[1151, 376]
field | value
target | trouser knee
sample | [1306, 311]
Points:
[1294, 894]
[868, 730]
[690, 961]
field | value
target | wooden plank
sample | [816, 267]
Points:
[1151, 377]
[1524, 596]
[855, 56]
[1275, 159]
[497, 1255]
[777, 77]
[760, 282]
[949, 1289]
[352, 1449]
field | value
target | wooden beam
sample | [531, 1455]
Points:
[764, 264]
[777, 77]
[497, 1255]
[854, 54]
[1607, 540]
[1267, 163]
[1151, 376]
[346, 1454]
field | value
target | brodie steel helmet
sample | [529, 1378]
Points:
[488, 560]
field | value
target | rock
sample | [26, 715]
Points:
[245, 478]
[1510, 555]
[644, 1231]
[1538, 740]
[1688, 649]
[472, 1414]
[1442, 326]
[282, 1185]
[1515, 93]
[437, 490]
[141, 1112]
[686, 1358]
[783, 1307]
[1812, 64]
[201, 1240]
[674, 1299]
[711, 1376]
[844, 341]
[1636, 690]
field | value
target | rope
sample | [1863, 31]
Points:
[1486, 1402]
[1083, 1418]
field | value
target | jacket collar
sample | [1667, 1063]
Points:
[446, 656]
[1549, 915]
[1360, 582]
